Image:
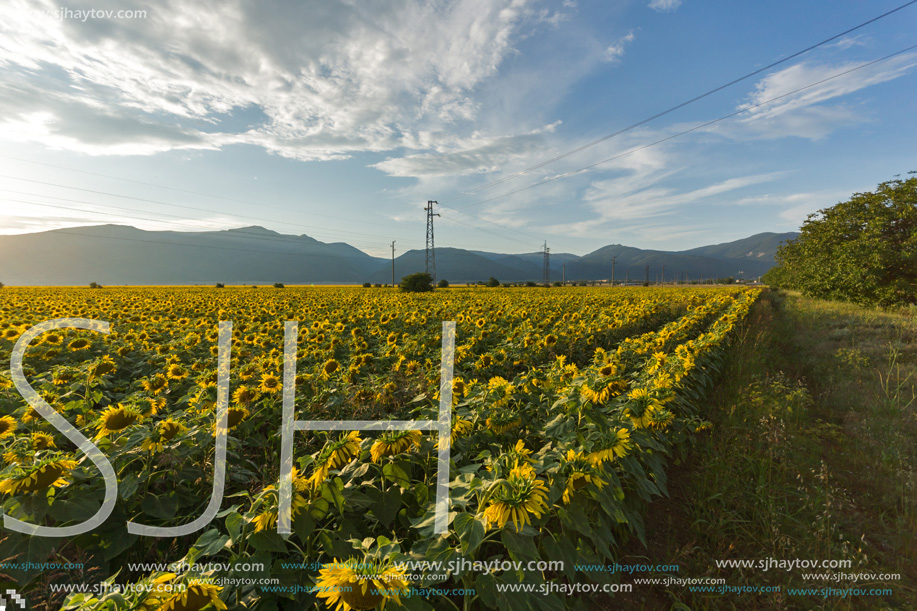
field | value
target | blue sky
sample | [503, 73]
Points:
[339, 120]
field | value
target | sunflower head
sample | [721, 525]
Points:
[42, 441]
[156, 384]
[244, 395]
[236, 415]
[37, 477]
[580, 472]
[502, 421]
[516, 497]
[394, 442]
[103, 367]
[356, 584]
[7, 426]
[79, 343]
[176, 371]
[117, 418]
[270, 383]
[330, 367]
[617, 447]
[194, 598]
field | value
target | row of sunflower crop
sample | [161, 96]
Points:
[566, 404]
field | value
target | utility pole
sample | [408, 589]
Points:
[547, 254]
[646, 275]
[663, 274]
[613, 271]
[393, 263]
[431, 253]
[564, 275]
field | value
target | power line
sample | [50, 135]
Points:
[688, 131]
[681, 105]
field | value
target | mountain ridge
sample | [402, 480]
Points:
[125, 255]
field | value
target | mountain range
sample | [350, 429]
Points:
[118, 254]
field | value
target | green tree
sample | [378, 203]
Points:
[863, 250]
[443, 284]
[492, 282]
[420, 282]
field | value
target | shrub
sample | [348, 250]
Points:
[492, 282]
[278, 285]
[220, 285]
[367, 285]
[95, 285]
[443, 284]
[420, 282]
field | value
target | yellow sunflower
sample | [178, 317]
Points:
[360, 585]
[103, 367]
[244, 395]
[165, 431]
[270, 383]
[79, 343]
[329, 368]
[116, 419]
[519, 495]
[579, 472]
[394, 442]
[335, 455]
[236, 415]
[7, 426]
[503, 421]
[196, 597]
[156, 384]
[176, 372]
[267, 519]
[37, 477]
[618, 448]
[42, 441]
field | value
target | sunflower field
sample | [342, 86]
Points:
[567, 404]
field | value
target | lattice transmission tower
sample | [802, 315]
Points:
[431, 253]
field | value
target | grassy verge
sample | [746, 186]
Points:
[813, 456]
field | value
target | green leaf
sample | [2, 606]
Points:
[208, 544]
[387, 507]
[77, 509]
[128, 486]
[470, 532]
[393, 472]
[234, 523]
[268, 541]
[163, 507]
[519, 546]
[303, 525]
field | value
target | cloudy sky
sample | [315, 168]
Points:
[340, 119]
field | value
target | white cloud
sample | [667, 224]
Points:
[664, 6]
[615, 52]
[613, 200]
[805, 113]
[477, 154]
[326, 79]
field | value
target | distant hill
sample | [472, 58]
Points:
[761, 246]
[116, 254]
